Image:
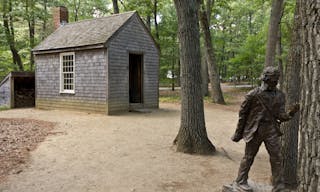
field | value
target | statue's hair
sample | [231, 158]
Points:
[270, 71]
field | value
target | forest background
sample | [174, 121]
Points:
[238, 29]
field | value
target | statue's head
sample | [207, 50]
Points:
[270, 76]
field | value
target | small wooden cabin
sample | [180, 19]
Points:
[105, 65]
[17, 90]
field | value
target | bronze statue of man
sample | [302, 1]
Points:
[259, 121]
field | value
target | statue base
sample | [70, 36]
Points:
[255, 187]
[234, 187]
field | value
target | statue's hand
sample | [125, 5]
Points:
[236, 138]
[293, 109]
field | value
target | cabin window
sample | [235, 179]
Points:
[67, 64]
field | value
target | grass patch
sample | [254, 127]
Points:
[168, 96]
[232, 95]
[2, 108]
[228, 98]
[170, 99]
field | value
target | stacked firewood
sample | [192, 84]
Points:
[24, 98]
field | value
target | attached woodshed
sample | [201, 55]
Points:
[104, 65]
[17, 90]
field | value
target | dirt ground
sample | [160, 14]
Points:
[131, 152]
[17, 138]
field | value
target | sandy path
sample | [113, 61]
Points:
[129, 153]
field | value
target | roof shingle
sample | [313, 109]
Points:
[84, 33]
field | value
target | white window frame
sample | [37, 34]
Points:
[62, 90]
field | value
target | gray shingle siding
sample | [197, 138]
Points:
[133, 38]
[5, 93]
[90, 76]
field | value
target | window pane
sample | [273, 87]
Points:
[67, 72]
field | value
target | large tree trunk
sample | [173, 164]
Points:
[216, 93]
[115, 6]
[9, 32]
[192, 136]
[309, 154]
[292, 87]
[274, 23]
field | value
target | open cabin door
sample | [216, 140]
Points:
[135, 78]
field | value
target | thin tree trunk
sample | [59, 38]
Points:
[279, 52]
[292, 87]
[204, 77]
[76, 9]
[45, 19]
[31, 24]
[274, 23]
[204, 64]
[216, 92]
[115, 6]
[250, 22]
[192, 136]
[173, 73]
[209, 4]
[279, 58]
[9, 32]
[155, 12]
[309, 154]
[148, 23]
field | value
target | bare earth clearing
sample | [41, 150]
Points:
[131, 152]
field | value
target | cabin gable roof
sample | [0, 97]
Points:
[85, 34]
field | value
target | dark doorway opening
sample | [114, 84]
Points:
[24, 92]
[135, 78]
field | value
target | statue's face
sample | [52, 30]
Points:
[272, 81]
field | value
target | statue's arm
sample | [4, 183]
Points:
[243, 114]
[285, 116]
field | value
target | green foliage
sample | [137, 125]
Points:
[85, 9]
[239, 37]
[249, 60]
[169, 60]
[238, 28]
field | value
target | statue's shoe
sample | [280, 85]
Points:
[242, 187]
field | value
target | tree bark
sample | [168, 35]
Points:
[274, 23]
[292, 87]
[192, 136]
[30, 6]
[309, 154]
[148, 22]
[279, 51]
[216, 92]
[45, 19]
[204, 64]
[76, 9]
[155, 12]
[204, 77]
[279, 58]
[115, 6]
[9, 33]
